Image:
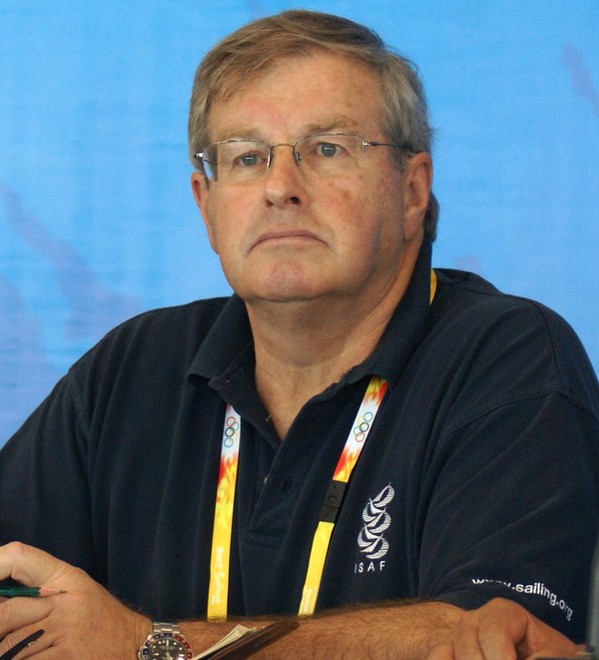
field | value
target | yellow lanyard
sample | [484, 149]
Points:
[347, 461]
[218, 591]
[225, 499]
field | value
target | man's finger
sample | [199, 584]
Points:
[502, 630]
[15, 614]
[443, 651]
[467, 643]
[28, 565]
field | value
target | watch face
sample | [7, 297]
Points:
[167, 646]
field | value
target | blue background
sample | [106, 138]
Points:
[97, 222]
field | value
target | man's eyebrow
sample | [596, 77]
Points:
[237, 133]
[332, 124]
[338, 123]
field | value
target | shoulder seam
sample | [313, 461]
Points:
[475, 415]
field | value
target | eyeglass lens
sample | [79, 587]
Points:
[244, 160]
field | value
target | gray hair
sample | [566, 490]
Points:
[250, 51]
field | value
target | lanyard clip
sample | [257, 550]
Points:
[332, 501]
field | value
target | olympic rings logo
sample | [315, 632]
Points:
[231, 431]
[363, 426]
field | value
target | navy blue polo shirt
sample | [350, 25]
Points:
[480, 474]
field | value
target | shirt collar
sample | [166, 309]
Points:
[228, 341]
[405, 329]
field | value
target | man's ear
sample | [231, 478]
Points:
[417, 180]
[200, 189]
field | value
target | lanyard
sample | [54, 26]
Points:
[218, 591]
[332, 503]
[225, 499]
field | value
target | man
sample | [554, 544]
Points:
[407, 452]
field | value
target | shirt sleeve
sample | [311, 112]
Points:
[511, 491]
[44, 473]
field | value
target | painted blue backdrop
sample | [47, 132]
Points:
[96, 218]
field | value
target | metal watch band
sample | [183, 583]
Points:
[165, 627]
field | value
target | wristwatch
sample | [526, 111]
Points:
[165, 642]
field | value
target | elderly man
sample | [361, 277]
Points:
[404, 453]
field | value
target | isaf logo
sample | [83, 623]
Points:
[371, 539]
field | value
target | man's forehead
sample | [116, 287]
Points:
[327, 101]
[237, 79]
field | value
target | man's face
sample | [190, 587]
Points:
[291, 235]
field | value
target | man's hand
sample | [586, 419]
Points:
[503, 630]
[84, 622]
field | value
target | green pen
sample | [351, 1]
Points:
[28, 592]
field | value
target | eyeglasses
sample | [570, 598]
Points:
[324, 154]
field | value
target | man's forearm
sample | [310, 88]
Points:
[406, 630]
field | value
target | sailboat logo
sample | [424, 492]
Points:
[371, 539]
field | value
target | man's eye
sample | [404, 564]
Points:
[328, 149]
[250, 159]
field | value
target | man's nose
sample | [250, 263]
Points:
[285, 183]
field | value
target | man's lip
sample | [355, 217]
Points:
[285, 234]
